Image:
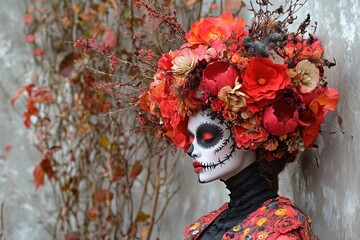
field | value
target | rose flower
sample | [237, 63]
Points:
[233, 97]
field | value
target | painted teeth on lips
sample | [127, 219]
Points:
[198, 167]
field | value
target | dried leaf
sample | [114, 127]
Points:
[76, 8]
[144, 233]
[340, 121]
[117, 173]
[67, 65]
[101, 8]
[233, 6]
[39, 52]
[84, 128]
[73, 236]
[110, 38]
[104, 142]
[136, 169]
[39, 176]
[26, 87]
[142, 217]
[55, 148]
[47, 168]
[101, 196]
[93, 214]
[67, 185]
[27, 18]
[8, 148]
[42, 95]
[189, 3]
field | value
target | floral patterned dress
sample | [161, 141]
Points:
[276, 219]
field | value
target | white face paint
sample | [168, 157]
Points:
[214, 152]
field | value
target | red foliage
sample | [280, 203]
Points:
[42, 95]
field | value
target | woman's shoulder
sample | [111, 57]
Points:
[194, 230]
[275, 218]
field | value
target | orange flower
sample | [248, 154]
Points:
[207, 29]
[262, 235]
[303, 50]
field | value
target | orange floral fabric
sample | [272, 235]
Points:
[277, 219]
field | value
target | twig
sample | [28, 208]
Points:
[2, 221]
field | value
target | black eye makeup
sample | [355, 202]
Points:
[208, 135]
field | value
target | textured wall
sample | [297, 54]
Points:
[329, 193]
[23, 207]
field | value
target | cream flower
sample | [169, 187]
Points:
[233, 97]
[309, 76]
[184, 62]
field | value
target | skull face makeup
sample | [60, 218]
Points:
[213, 148]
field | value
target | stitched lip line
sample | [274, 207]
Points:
[200, 167]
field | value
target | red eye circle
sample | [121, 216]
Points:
[207, 137]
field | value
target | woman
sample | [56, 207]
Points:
[255, 210]
[243, 103]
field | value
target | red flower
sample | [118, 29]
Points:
[281, 118]
[263, 78]
[217, 105]
[39, 52]
[27, 18]
[165, 62]
[309, 133]
[30, 38]
[218, 75]
[246, 138]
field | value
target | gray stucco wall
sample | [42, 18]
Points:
[326, 188]
[24, 208]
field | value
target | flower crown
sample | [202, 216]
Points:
[267, 82]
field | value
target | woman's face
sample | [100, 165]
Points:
[214, 152]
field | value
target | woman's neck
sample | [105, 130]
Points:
[248, 188]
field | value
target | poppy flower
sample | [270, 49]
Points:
[263, 78]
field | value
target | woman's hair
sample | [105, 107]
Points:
[270, 169]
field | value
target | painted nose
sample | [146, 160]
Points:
[192, 151]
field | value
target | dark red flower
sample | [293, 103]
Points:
[281, 118]
[218, 75]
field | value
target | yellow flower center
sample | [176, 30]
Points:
[261, 81]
